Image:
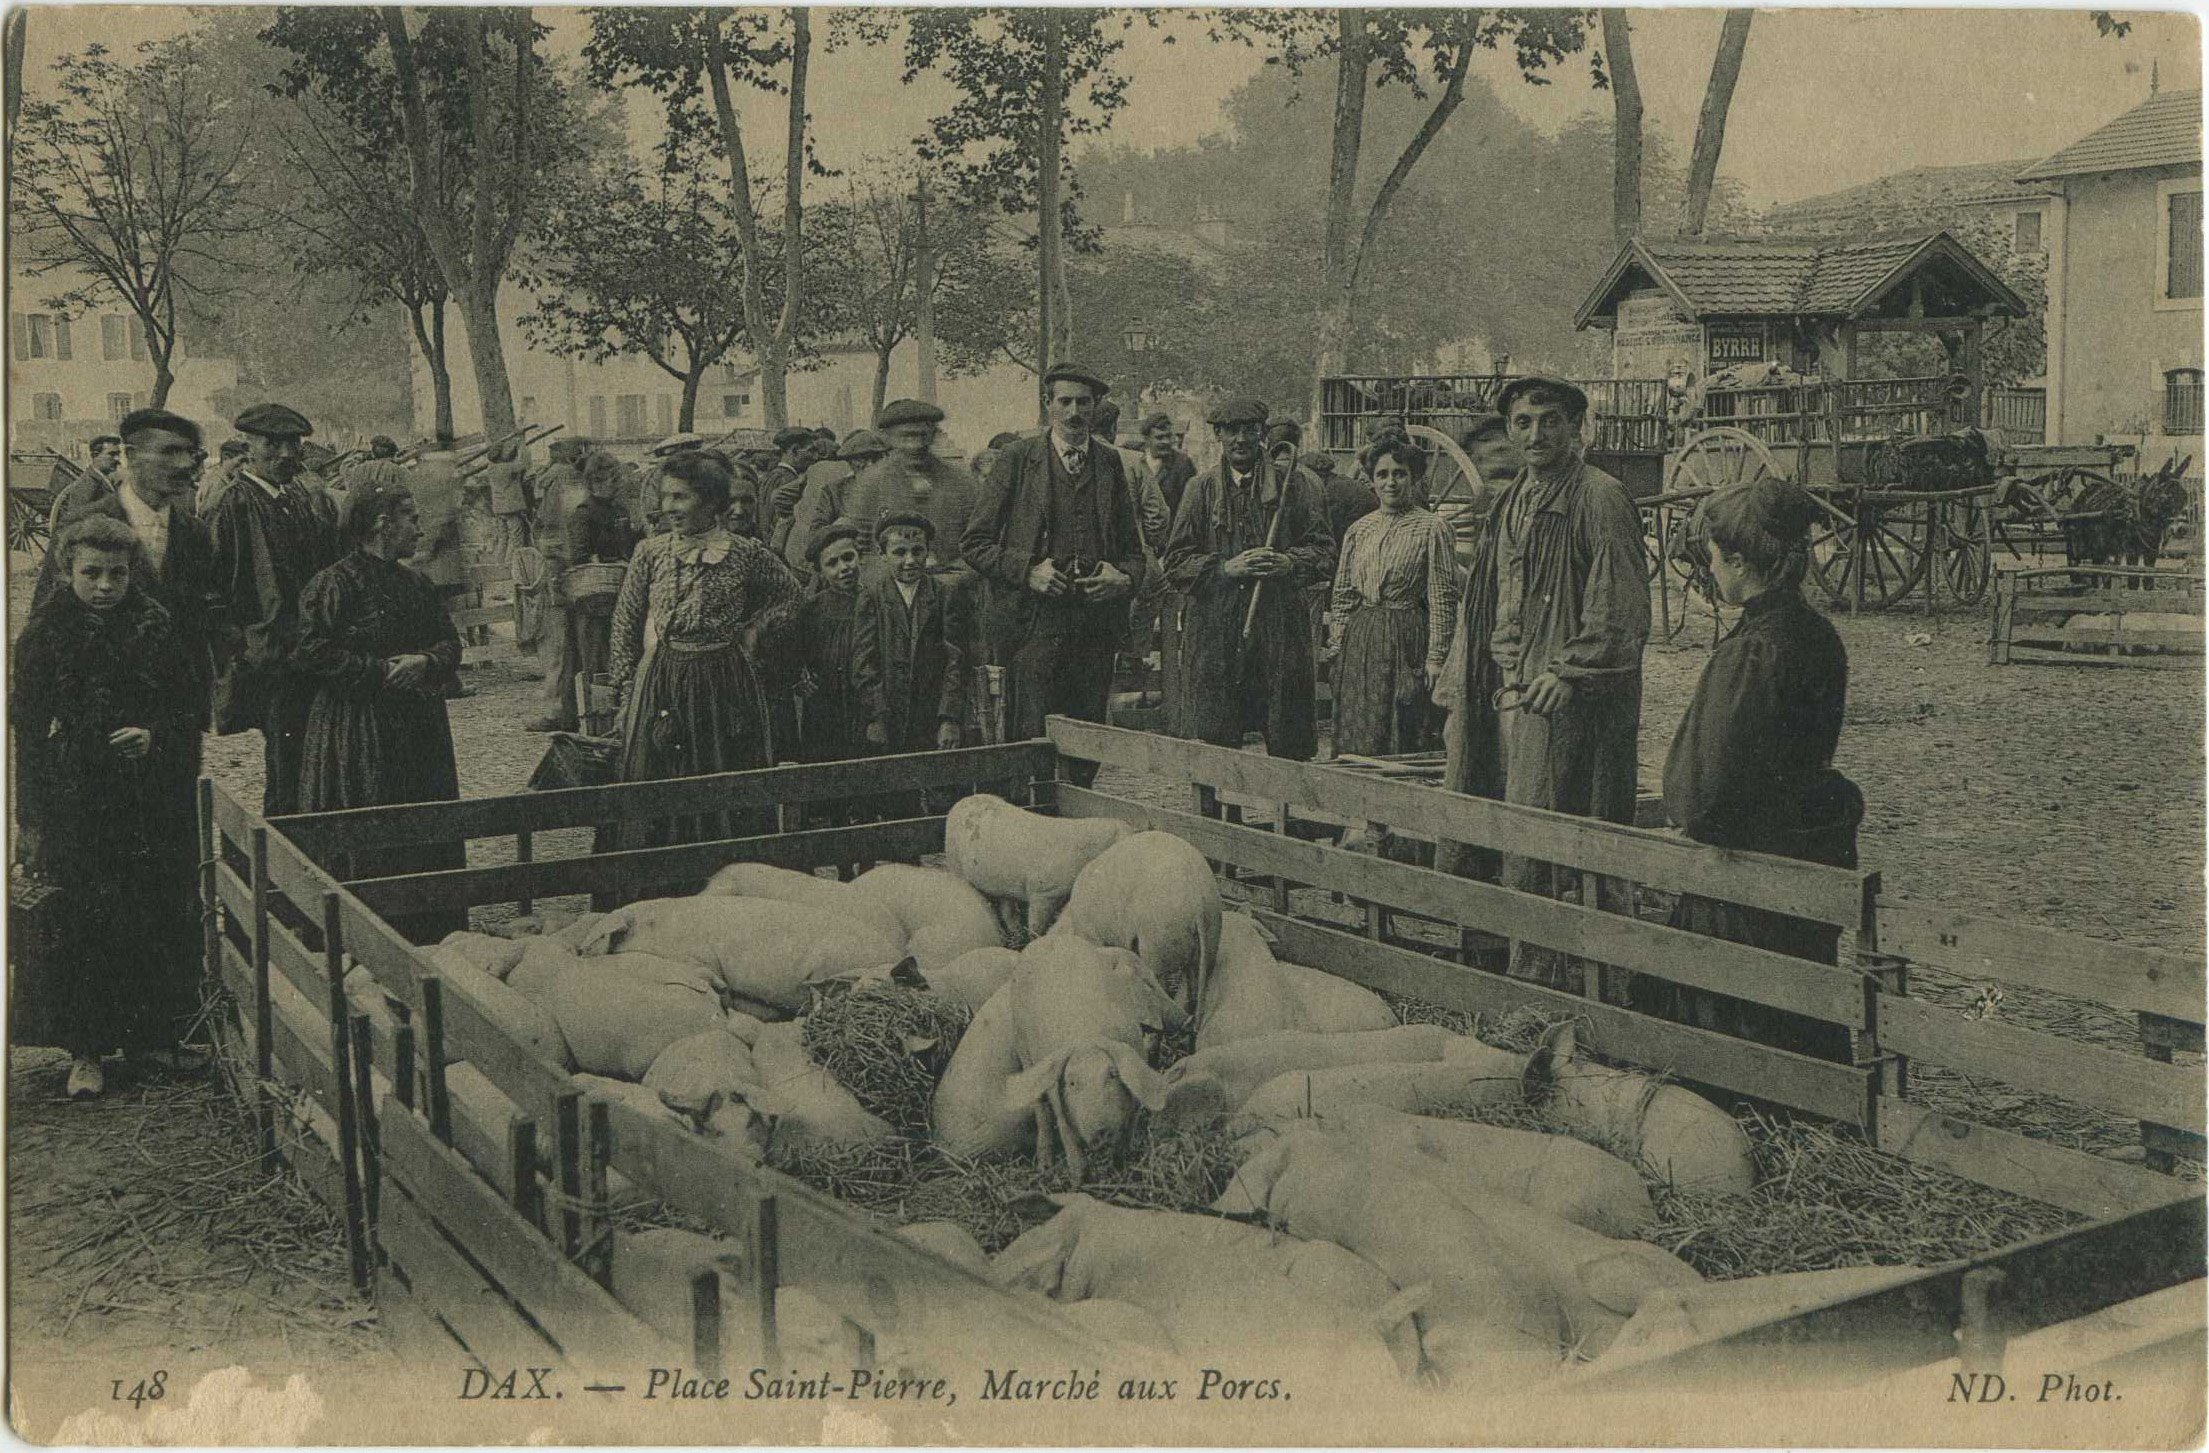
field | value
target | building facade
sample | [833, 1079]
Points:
[72, 378]
[2125, 282]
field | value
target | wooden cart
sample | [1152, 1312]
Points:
[474, 1177]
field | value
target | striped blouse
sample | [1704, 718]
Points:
[1401, 562]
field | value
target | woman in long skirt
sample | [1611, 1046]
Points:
[107, 710]
[1396, 598]
[682, 638]
[1752, 765]
[376, 635]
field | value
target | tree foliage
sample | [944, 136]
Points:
[130, 176]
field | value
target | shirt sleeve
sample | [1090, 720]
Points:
[1614, 606]
[630, 606]
[1720, 769]
[1441, 592]
[1344, 597]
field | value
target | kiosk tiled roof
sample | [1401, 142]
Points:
[1787, 277]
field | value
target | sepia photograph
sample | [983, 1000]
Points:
[1093, 727]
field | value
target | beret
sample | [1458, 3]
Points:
[1283, 421]
[1318, 461]
[273, 421]
[905, 520]
[825, 432]
[1236, 411]
[862, 441]
[1532, 381]
[1159, 420]
[1072, 373]
[792, 437]
[674, 442]
[907, 411]
[840, 529]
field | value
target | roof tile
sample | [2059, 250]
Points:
[2164, 130]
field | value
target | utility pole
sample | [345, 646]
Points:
[1046, 191]
[924, 301]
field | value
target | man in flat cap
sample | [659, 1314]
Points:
[272, 533]
[1559, 600]
[1056, 537]
[912, 476]
[1247, 526]
[784, 481]
[822, 496]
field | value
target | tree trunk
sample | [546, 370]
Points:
[770, 340]
[1618, 49]
[1353, 62]
[1048, 282]
[479, 314]
[687, 419]
[1710, 129]
[441, 374]
[882, 380]
[163, 381]
[13, 81]
[924, 301]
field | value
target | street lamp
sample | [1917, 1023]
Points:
[1138, 340]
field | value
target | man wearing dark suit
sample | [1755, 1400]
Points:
[1055, 534]
[162, 453]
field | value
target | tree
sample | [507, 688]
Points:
[1618, 50]
[684, 56]
[642, 264]
[1710, 127]
[1018, 72]
[130, 177]
[486, 130]
[1412, 48]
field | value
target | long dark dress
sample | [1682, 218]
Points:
[118, 834]
[1396, 594]
[697, 705]
[368, 744]
[1752, 769]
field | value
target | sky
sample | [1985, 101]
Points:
[1828, 98]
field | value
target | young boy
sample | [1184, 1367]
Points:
[907, 657]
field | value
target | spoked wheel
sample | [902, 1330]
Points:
[26, 529]
[1967, 561]
[1690, 572]
[1882, 549]
[1710, 459]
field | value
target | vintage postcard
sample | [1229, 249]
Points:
[1128, 727]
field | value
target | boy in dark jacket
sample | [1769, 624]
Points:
[908, 667]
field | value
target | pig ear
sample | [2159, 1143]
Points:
[906, 973]
[1192, 1097]
[1030, 1085]
[608, 932]
[1147, 1085]
[1551, 1056]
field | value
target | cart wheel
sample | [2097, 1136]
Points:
[1884, 545]
[1698, 592]
[1715, 458]
[26, 530]
[1966, 562]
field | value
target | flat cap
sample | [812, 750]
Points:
[1159, 420]
[273, 421]
[838, 529]
[825, 432]
[1565, 386]
[1074, 373]
[862, 442]
[792, 437]
[1318, 461]
[905, 520]
[1236, 411]
[907, 411]
[674, 443]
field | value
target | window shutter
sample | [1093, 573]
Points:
[112, 336]
[2184, 280]
[42, 336]
[20, 326]
[667, 413]
[137, 340]
[61, 338]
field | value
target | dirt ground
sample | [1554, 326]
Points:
[2068, 796]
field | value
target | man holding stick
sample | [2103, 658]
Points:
[1249, 539]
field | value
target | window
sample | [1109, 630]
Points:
[137, 339]
[666, 405]
[42, 336]
[118, 405]
[598, 416]
[733, 405]
[61, 338]
[2178, 247]
[114, 337]
[2182, 399]
[2028, 232]
[629, 415]
[729, 374]
[46, 406]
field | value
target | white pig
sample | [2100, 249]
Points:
[1012, 855]
[1154, 894]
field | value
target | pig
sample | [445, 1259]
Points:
[972, 977]
[495, 956]
[1677, 1134]
[941, 915]
[1240, 1068]
[1016, 857]
[786, 885]
[1252, 993]
[765, 952]
[1470, 1073]
[1153, 894]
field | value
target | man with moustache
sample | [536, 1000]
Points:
[1564, 600]
[1217, 556]
[272, 533]
[1055, 537]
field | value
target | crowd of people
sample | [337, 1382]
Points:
[832, 599]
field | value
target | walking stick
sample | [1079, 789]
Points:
[1273, 534]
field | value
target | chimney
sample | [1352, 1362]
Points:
[1212, 229]
[1127, 209]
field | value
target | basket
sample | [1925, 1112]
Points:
[584, 584]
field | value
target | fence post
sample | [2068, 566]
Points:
[264, 1009]
[341, 1070]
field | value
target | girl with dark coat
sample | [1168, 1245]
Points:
[107, 711]
[1751, 767]
[375, 636]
